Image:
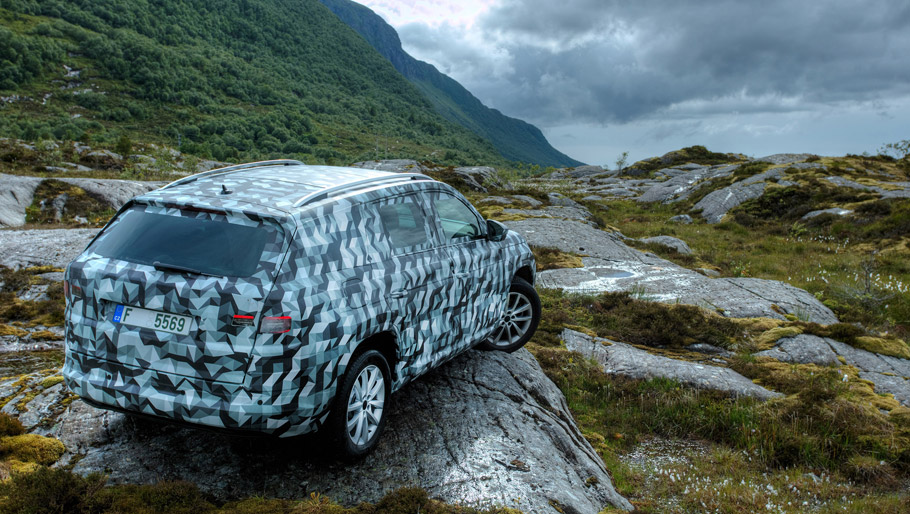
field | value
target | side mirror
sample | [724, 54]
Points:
[496, 231]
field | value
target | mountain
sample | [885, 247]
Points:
[515, 139]
[224, 79]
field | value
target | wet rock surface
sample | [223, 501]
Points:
[486, 428]
[612, 265]
[626, 360]
[56, 247]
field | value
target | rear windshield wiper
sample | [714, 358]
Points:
[181, 269]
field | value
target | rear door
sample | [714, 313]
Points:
[178, 290]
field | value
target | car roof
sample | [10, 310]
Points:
[282, 185]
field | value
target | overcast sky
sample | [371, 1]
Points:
[600, 77]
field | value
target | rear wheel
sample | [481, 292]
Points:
[359, 412]
[519, 320]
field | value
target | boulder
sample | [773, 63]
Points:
[612, 265]
[681, 218]
[486, 428]
[626, 360]
[677, 245]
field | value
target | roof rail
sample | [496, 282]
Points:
[231, 169]
[325, 193]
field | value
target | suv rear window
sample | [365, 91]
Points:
[205, 242]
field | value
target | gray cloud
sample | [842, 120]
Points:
[608, 61]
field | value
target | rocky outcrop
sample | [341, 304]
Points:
[611, 265]
[115, 193]
[889, 374]
[900, 189]
[682, 185]
[488, 427]
[27, 248]
[785, 158]
[17, 193]
[626, 360]
[803, 349]
[717, 203]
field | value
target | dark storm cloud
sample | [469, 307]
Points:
[606, 60]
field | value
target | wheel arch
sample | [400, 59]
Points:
[386, 343]
[525, 273]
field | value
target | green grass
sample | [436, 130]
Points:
[861, 277]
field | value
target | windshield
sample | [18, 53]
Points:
[212, 244]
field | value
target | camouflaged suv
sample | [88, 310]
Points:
[278, 297]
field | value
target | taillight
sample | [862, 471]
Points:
[71, 291]
[275, 324]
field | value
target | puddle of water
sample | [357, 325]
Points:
[19, 363]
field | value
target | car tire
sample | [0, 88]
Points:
[361, 405]
[519, 321]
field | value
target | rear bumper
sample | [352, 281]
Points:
[208, 404]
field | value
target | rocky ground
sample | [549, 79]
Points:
[521, 447]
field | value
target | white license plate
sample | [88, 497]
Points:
[155, 320]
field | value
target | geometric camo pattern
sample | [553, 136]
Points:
[331, 268]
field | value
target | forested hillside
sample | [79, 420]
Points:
[230, 80]
[515, 139]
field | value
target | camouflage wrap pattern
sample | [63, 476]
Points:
[331, 267]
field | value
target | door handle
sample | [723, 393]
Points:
[398, 294]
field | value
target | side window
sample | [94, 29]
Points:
[458, 221]
[404, 223]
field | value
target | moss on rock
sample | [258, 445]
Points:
[31, 448]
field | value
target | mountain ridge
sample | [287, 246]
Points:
[515, 139]
[224, 80]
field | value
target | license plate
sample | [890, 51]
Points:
[155, 320]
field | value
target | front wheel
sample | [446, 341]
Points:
[519, 320]
[358, 415]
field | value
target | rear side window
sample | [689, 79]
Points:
[205, 242]
[404, 223]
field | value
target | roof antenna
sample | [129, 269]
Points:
[225, 190]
